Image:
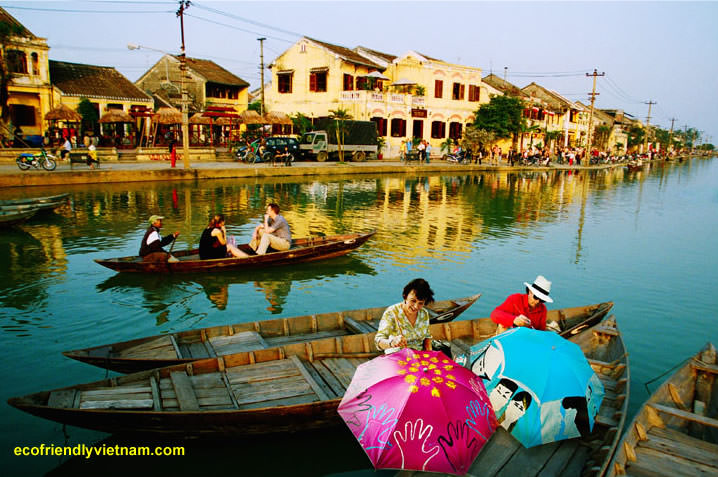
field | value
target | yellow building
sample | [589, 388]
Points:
[571, 117]
[26, 58]
[411, 96]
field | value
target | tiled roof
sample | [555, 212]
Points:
[502, 85]
[347, 54]
[5, 17]
[385, 56]
[75, 79]
[430, 58]
[214, 73]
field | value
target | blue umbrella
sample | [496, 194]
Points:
[540, 385]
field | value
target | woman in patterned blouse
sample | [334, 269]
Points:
[406, 324]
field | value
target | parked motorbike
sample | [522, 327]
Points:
[462, 157]
[42, 159]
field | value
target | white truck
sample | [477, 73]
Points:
[359, 142]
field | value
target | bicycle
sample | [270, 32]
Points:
[42, 159]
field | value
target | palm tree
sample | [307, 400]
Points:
[339, 127]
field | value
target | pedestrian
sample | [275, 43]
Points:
[402, 150]
[66, 148]
[422, 150]
[427, 153]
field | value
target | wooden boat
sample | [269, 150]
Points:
[59, 198]
[675, 433]
[181, 347]
[302, 250]
[8, 217]
[293, 387]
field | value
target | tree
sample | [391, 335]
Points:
[550, 137]
[301, 123]
[339, 127]
[89, 115]
[635, 136]
[602, 134]
[502, 115]
[475, 139]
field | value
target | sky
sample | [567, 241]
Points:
[664, 52]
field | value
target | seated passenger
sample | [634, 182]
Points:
[275, 232]
[213, 242]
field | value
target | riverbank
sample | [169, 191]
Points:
[11, 176]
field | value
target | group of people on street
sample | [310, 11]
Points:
[423, 150]
[273, 232]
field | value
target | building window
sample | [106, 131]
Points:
[398, 127]
[457, 91]
[284, 82]
[438, 129]
[233, 93]
[455, 131]
[438, 88]
[474, 93]
[348, 82]
[318, 82]
[380, 126]
[22, 115]
[303, 48]
[35, 64]
[17, 62]
[418, 129]
[362, 83]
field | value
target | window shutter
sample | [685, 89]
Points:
[313, 82]
[438, 87]
[461, 91]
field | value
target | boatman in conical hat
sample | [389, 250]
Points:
[524, 309]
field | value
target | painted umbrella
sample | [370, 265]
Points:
[540, 385]
[418, 410]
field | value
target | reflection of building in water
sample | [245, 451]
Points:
[218, 294]
[276, 292]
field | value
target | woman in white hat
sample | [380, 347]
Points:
[526, 309]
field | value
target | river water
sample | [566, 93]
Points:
[645, 240]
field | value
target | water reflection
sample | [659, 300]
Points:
[161, 291]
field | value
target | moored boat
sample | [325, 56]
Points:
[59, 198]
[288, 388]
[14, 217]
[676, 431]
[302, 250]
[185, 346]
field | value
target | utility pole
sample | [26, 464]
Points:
[670, 135]
[648, 122]
[261, 62]
[593, 95]
[183, 5]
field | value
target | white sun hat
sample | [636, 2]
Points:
[540, 288]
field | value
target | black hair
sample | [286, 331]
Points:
[509, 384]
[534, 294]
[274, 207]
[581, 420]
[421, 288]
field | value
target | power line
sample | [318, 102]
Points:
[237, 28]
[247, 20]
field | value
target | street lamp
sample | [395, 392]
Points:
[185, 116]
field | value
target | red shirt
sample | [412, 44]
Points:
[518, 304]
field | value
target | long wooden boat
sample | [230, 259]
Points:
[287, 388]
[8, 218]
[675, 433]
[302, 250]
[185, 346]
[59, 198]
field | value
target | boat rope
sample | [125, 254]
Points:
[664, 373]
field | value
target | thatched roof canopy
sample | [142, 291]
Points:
[116, 116]
[275, 117]
[197, 118]
[250, 117]
[63, 113]
[167, 116]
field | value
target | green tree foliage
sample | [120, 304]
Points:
[339, 127]
[635, 136]
[601, 136]
[502, 115]
[255, 106]
[475, 139]
[301, 123]
[89, 115]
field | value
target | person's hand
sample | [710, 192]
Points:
[522, 320]
[399, 342]
[176, 234]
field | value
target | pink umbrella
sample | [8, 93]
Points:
[418, 410]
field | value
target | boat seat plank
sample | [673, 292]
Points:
[494, 455]
[266, 371]
[238, 342]
[299, 338]
[118, 396]
[683, 439]
[153, 348]
[689, 416]
[685, 446]
[290, 401]
[337, 388]
[62, 399]
[269, 391]
[706, 367]
[183, 389]
[118, 404]
[315, 381]
[358, 327]
[528, 461]
[156, 396]
[667, 464]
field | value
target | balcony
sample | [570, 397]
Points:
[354, 96]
